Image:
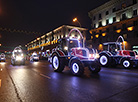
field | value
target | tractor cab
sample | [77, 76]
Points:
[112, 47]
[66, 45]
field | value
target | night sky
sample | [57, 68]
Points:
[40, 16]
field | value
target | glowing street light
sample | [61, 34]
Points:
[76, 20]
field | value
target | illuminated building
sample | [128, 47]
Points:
[115, 18]
[48, 41]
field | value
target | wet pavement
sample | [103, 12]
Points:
[37, 82]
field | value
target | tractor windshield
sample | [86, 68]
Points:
[114, 47]
[74, 43]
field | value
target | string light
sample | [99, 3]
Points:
[19, 31]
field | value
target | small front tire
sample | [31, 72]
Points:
[126, 63]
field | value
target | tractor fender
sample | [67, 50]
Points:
[121, 59]
[59, 53]
[105, 53]
[74, 58]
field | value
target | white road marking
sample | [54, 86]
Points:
[42, 74]
[0, 82]
[45, 76]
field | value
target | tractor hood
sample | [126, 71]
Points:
[127, 53]
[84, 53]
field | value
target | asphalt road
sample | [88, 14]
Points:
[37, 82]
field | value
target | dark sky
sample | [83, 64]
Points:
[41, 16]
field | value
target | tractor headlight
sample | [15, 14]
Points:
[96, 56]
[65, 48]
[19, 58]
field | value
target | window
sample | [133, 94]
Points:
[134, 1]
[107, 12]
[135, 12]
[123, 5]
[107, 21]
[114, 19]
[135, 23]
[100, 16]
[100, 24]
[114, 9]
[124, 16]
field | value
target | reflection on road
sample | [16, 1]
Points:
[2, 65]
[0, 82]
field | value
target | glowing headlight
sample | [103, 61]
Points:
[19, 58]
[65, 48]
[90, 55]
[97, 55]
[94, 55]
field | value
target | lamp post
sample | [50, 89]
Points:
[76, 20]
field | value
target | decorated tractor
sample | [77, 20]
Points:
[17, 56]
[34, 57]
[72, 53]
[2, 57]
[114, 53]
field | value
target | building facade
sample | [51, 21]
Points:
[49, 40]
[112, 19]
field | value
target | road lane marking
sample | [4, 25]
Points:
[42, 74]
[0, 83]
[45, 76]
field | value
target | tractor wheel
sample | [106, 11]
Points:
[57, 64]
[76, 67]
[126, 63]
[12, 62]
[95, 67]
[104, 60]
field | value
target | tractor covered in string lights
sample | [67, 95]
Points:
[72, 53]
[114, 53]
[17, 57]
[2, 57]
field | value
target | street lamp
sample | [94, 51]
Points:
[75, 19]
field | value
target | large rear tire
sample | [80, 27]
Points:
[95, 67]
[57, 63]
[104, 60]
[76, 67]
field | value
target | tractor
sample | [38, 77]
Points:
[114, 54]
[72, 53]
[17, 56]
